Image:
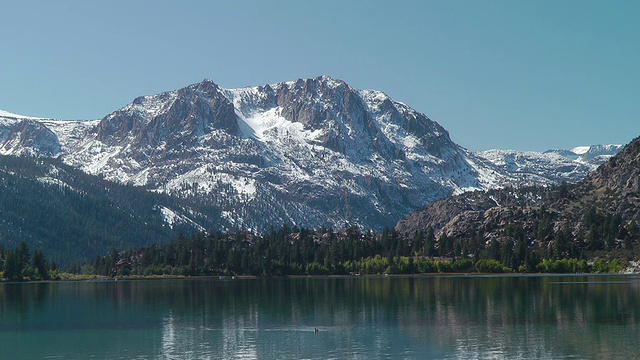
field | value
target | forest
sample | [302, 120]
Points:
[19, 265]
[76, 215]
[297, 251]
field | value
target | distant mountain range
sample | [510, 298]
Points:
[312, 153]
[551, 166]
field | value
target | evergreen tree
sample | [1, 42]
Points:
[12, 267]
[430, 243]
[39, 265]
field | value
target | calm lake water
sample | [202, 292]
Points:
[444, 317]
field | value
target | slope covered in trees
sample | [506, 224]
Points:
[72, 216]
[597, 217]
[591, 226]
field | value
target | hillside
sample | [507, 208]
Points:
[312, 152]
[73, 216]
[599, 213]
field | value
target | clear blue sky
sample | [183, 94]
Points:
[526, 75]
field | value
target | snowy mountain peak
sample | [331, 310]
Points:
[551, 166]
[319, 82]
[6, 114]
[309, 152]
[312, 152]
[171, 119]
[597, 154]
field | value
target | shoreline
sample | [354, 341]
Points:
[94, 278]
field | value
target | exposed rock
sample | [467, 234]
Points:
[31, 138]
[313, 152]
[612, 190]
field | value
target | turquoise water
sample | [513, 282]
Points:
[447, 317]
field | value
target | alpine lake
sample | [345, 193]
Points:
[411, 317]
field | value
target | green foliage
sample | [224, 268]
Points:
[19, 265]
[606, 266]
[12, 267]
[491, 266]
[426, 266]
[462, 265]
[288, 251]
[316, 269]
[563, 266]
[605, 230]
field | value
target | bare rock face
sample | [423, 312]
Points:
[470, 206]
[614, 187]
[622, 172]
[31, 138]
[312, 152]
[612, 190]
[171, 120]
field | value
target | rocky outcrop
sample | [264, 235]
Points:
[612, 191]
[173, 120]
[30, 138]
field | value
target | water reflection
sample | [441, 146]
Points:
[169, 343]
[373, 318]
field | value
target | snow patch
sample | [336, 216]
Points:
[47, 180]
[172, 218]
[7, 114]
[580, 150]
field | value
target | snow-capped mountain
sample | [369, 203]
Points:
[32, 136]
[594, 154]
[551, 166]
[312, 153]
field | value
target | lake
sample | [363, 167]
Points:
[419, 317]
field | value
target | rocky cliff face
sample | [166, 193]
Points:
[311, 152]
[172, 120]
[30, 138]
[614, 188]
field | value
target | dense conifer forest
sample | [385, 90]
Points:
[293, 251]
[72, 216]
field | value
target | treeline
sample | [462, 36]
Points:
[18, 264]
[293, 251]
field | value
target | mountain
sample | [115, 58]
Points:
[311, 152]
[550, 167]
[601, 212]
[595, 154]
[73, 216]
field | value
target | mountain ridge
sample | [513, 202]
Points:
[310, 152]
[326, 139]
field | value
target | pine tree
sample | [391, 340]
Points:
[12, 269]
[39, 265]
